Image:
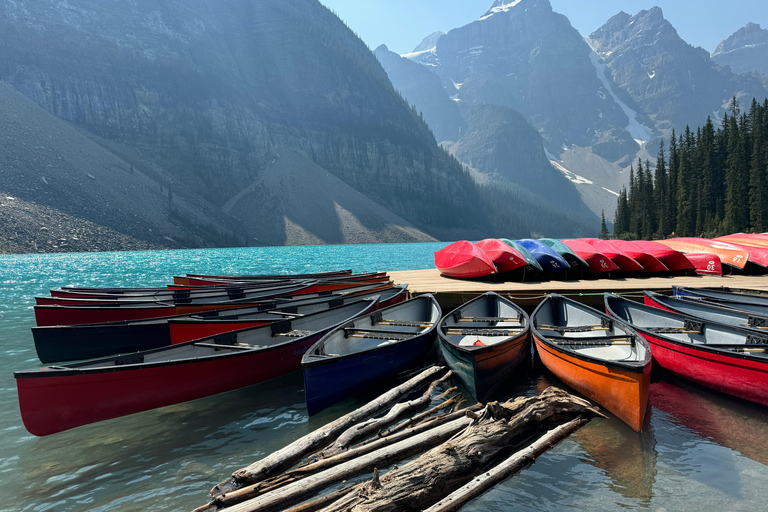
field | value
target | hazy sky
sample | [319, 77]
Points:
[402, 24]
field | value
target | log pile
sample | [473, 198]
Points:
[469, 450]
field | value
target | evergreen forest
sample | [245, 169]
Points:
[706, 183]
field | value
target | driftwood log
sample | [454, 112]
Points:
[286, 457]
[503, 470]
[294, 492]
[500, 429]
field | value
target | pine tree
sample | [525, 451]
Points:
[604, 233]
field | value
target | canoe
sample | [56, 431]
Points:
[57, 398]
[549, 260]
[533, 264]
[506, 258]
[73, 315]
[742, 240]
[598, 262]
[182, 297]
[59, 343]
[650, 263]
[193, 327]
[464, 260]
[601, 358]
[675, 261]
[577, 263]
[196, 282]
[708, 311]
[625, 263]
[721, 296]
[707, 264]
[484, 342]
[369, 349]
[728, 254]
[711, 354]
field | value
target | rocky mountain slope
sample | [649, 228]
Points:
[234, 116]
[745, 51]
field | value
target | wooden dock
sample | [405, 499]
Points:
[451, 293]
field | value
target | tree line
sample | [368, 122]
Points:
[708, 183]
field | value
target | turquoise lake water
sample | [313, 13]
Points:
[701, 450]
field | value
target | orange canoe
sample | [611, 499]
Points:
[728, 253]
[601, 358]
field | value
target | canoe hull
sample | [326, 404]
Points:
[51, 404]
[483, 371]
[327, 384]
[622, 392]
[731, 374]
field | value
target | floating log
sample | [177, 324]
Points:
[503, 470]
[297, 491]
[284, 458]
[375, 424]
[427, 479]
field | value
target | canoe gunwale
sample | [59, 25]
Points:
[637, 366]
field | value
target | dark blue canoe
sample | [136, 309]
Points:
[547, 257]
[369, 349]
[484, 341]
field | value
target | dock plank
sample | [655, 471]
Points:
[451, 293]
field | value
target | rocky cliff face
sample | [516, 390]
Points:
[210, 93]
[673, 82]
[746, 51]
[524, 56]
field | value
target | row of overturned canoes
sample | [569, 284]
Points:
[547, 258]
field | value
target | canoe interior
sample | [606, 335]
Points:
[486, 319]
[575, 328]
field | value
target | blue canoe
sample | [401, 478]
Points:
[369, 349]
[547, 257]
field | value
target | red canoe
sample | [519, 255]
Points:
[674, 260]
[718, 356]
[619, 257]
[598, 262]
[650, 263]
[505, 257]
[706, 264]
[58, 398]
[464, 260]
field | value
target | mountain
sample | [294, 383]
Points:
[745, 51]
[524, 56]
[673, 82]
[500, 143]
[420, 86]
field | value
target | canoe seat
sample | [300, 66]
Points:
[672, 330]
[575, 328]
[218, 346]
[378, 335]
[405, 323]
[597, 341]
[482, 332]
[488, 319]
[296, 333]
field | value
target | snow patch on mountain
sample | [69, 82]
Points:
[639, 132]
[424, 57]
[504, 7]
[572, 176]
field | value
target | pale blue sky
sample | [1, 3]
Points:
[402, 24]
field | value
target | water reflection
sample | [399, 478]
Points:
[736, 424]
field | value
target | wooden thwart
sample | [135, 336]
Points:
[482, 332]
[575, 328]
[488, 319]
[404, 323]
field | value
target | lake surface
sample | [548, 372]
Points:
[700, 449]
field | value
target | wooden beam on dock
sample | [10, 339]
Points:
[451, 293]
